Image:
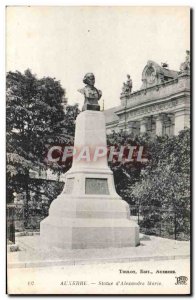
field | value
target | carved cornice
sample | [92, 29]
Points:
[154, 109]
[165, 89]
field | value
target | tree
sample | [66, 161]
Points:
[35, 114]
[35, 119]
[127, 174]
[160, 187]
[163, 191]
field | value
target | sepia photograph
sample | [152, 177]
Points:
[98, 150]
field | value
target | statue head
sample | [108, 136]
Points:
[89, 79]
[91, 94]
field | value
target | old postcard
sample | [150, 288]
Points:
[98, 150]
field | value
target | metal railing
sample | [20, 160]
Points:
[163, 222]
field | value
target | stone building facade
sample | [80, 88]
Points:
[161, 106]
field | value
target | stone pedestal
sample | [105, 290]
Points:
[89, 213]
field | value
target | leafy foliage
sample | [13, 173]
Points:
[127, 174]
[34, 114]
[161, 188]
[36, 118]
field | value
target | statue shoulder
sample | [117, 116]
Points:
[82, 91]
[100, 93]
[86, 91]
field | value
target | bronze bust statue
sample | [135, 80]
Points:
[91, 94]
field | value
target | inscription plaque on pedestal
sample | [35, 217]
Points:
[97, 186]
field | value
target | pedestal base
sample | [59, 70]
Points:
[89, 223]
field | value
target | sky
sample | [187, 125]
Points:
[67, 42]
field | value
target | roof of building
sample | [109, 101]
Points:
[110, 115]
[169, 73]
[160, 69]
[166, 75]
[154, 74]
